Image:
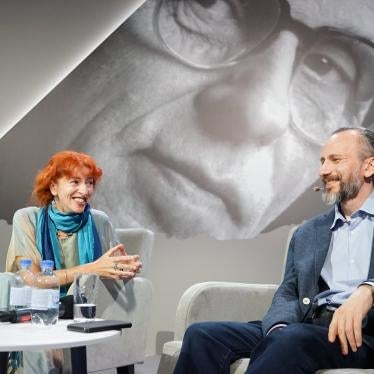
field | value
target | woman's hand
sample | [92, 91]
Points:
[114, 266]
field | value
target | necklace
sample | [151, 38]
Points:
[63, 235]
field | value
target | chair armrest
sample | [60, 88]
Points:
[128, 301]
[222, 301]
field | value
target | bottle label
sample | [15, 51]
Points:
[27, 294]
[17, 296]
[43, 299]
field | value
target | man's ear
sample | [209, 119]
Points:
[369, 167]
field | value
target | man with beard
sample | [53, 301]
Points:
[321, 315]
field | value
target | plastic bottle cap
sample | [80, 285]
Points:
[25, 262]
[46, 264]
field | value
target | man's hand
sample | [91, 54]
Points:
[346, 323]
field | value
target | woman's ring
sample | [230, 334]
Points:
[116, 267]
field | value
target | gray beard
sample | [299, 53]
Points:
[348, 190]
[331, 198]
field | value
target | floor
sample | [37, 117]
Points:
[149, 366]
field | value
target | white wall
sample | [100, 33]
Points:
[43, 41]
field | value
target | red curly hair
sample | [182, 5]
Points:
[61, 164]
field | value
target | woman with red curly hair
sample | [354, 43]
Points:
[64, 228]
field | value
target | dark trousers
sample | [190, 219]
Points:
[210, 347]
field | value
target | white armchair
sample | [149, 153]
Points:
[219, 301]
[216, 301]
[122, 300]
[125, 300]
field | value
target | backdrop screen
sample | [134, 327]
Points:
[207, 117]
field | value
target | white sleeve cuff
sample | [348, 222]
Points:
[369, 283]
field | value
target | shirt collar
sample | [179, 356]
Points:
[366, 209]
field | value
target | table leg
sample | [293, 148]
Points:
[78, 360]
[3, 362]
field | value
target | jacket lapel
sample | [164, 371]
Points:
[323, 238]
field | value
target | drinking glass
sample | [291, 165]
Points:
[85, 292]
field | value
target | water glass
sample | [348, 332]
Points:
[85, 292]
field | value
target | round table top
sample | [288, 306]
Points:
[28, 337]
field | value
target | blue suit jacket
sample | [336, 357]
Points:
[306, 255]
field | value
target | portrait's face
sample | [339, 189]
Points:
[72, 194]
[212, 114]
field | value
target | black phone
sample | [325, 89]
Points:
[96, 326]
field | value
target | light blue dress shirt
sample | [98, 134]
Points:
[348, 259]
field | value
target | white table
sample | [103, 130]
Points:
[27, 337]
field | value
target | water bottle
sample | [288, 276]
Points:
[45, 296]
[20, 291]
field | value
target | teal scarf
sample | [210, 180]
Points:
[50, 220]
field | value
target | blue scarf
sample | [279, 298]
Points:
[50, 220]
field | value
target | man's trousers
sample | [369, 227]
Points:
[210, 347]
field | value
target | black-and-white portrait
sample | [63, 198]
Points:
[207, 116]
